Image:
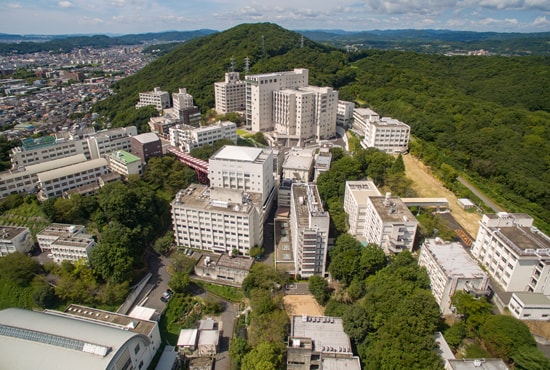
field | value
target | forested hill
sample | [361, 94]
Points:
[487, 116]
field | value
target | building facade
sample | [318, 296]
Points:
[259, 95]
[298, 165]
[355, 204]
[344, 114]
[15, 239]
[514, 252]
[54, 231]
[157, 98]
[224, 268]
[182, 100]
[388, 135]
[125, 163]
[72, 248]
[187, 138]
[309, 224]
[230, 95]
[146, 146]
[451, 269]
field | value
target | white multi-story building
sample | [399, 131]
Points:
[361, 118]
[231, 213]
[15, 239]
[206, 223]
[259, 95]
[451, 269]
[309, 224]
[182, 100]
[157, 98]
[388, 135]
[344, 114]
[298, 165]
[125, 163]
[389, 224]
[187, 138]
[93, 146]
[72, 248]
[514, 252]
[230, 95]
[243, 168]
[54, 231]
[54, 182]
[305, 113]
[355, 204]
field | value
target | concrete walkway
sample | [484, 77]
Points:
[495, 207]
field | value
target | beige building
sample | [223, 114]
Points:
[125, 163]
[355, 204]
[344, 114]
[298, 165]
[15, 239]
[451, 269]
[383, 133]
[187, 138]
[157, 98]
[224, 268]
[230, 95]
[182, 100]
[47, 236]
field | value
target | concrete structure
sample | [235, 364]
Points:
[344, 113]
[204, 223]
[223, 268]
[355, 204]
[451, 269]
[323, 160]
[169, 360]
[514, 252]
[65, 144]
[187, 340]
[298, 165]
[530, 306]
[309, 224]
[476, 364]
[54, 182]
[182, 100]
[79, 338]
[157, 98]
[146, 146]
[207, 345]
[47, 236]
[125, 163]
[243, 168]
[72, 248]
[465, 203]
[361, 117]
[200, 342]
[15, 239]
[259, 95]
[319, 342]
[231, 213]
[283, 195]
[187, 138]
[388, 135]
[230, 95]
[305, 113]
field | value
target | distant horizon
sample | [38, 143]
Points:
[127, 17]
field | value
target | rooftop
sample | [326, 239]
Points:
[72, 169]
[533, 299]
[362, 190]
[307, 202]
[10, 232]
[392, 209]
[57, 229]
[198, 197]
[124, 156]
[148, 137]
[326, 332]
[453, 259]
[224, 260]
[299, 159]
[527, 240]
[78, 241]
[237, 153]
[478, 364]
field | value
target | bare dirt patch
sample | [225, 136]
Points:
[540, 328]
[427, 185]
[302, 305]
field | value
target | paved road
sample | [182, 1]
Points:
[480, 195]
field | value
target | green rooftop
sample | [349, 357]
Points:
[125, 156]
[31, 143]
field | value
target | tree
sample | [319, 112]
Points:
[18, 268]
[372, 259]
[238, 348]
[265, 356]
[455, 334]
[475, 311]
[504, 335]
[318, 286]
[43, 293]
[530, 358]
[356, 322]
[179, 281]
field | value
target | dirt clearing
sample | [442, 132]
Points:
[426, 185]
[302, 305]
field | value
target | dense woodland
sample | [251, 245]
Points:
[487, 118]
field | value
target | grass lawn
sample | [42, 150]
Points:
[230, 293]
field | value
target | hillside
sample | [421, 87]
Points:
[486, 116]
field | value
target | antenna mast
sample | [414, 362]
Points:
[263, 46]
[302, 42]
[232, 64]
[246, 64]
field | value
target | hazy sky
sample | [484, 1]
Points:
[140, 16]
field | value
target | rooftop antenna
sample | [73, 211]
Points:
[302, 42]
[232, 64]
[246, 64]
[263, 46]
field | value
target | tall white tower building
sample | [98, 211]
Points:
[230, 95]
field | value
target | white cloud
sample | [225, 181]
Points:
[14, 5]
[541, 21]
[65, 4]
[410, 6]
[91, 21]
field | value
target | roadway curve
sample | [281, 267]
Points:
[480, 195]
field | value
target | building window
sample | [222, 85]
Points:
[136, 350]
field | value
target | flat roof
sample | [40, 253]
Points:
[56, 163]
[362, 190]
[341, 363]
[326, 332]
[209, 337]
[238, 153]
[392, 209]
[124, 156]
[530, 299]
[238, 262]
[478, 364]
[299, 159]
[148, 137]
[524, 237]
[453, 259]
[58, 229]
[72, 169]
[188, 337]
[198, 197]
[10, 232]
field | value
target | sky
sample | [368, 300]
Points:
[142, 16]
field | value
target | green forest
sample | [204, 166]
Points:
[486, 117]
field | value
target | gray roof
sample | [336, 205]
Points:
[238, 153]
[530, 299]
[478, 364]
[72, 169]
[39, 340]
[326, 332]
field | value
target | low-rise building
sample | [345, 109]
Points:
[47, 236]
[298, 165]
[72, 248]
[15, 239]
[344, 114]
[384, 133]
[224, 268]
[323, 160]
[319, 342]
[188, 138]
[451, 269]
[146, 146]
[530, 306]
[157, 98]
[125, 163]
